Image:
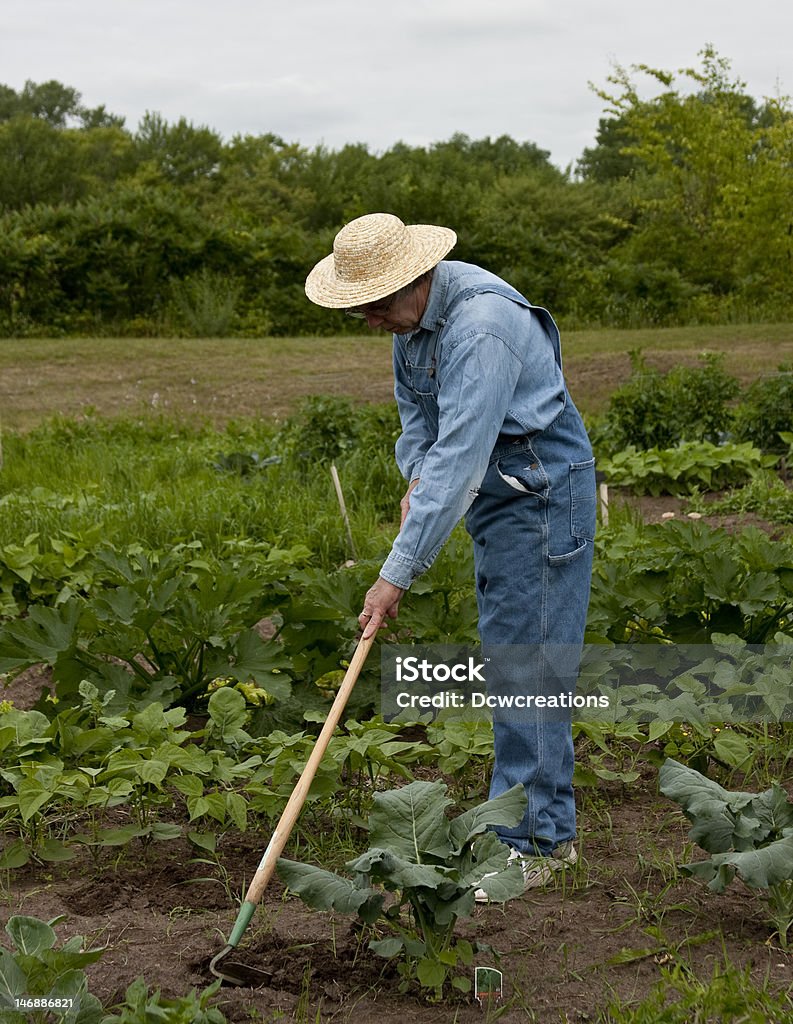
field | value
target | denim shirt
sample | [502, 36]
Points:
[484, 365]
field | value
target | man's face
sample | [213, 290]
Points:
[398, 313]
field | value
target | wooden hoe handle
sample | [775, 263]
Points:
[286, 822]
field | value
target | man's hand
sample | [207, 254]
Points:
[405, 502]
[382, 599]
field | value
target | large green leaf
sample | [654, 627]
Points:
[44, 636]
[228, 715]
[123, 605]
[12, 980]
[396, 872]
[761, 868]
[411, 821]
[30, 935]
[708, 805]
[262, 661]
[773, 809]
[446, 909]
[507, 809]
[324, 890]
[430, 973]
[505, 880]
[15, 855]
[387, 947]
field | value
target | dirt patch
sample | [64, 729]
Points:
[660, 509]
[28, 687]
[557, 948]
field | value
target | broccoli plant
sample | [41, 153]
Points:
[39, 979]
[433, 864]
[748, 834]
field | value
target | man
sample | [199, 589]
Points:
[489, 432]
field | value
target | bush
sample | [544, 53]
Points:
[656, 410]
[323, 427]
[766, 411]
[203, 305]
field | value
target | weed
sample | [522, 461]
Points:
[680, 997]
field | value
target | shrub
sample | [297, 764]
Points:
[766, 411]
[656, 410]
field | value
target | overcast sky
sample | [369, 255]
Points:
[382, 71]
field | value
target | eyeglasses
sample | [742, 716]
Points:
[380, 308]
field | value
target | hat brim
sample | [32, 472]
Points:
[429, 243]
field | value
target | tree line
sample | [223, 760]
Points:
[681, 212]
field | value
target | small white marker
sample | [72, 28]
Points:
[487, 986]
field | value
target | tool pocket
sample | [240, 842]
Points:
[583, 499]
[577, 521]
[523, 472]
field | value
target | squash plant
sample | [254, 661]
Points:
[748, 834]
[433, 865]
[159, 630]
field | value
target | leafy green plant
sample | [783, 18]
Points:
[71, 771]
[656, 410]
[462, 748]
[142, 1006]
[37, 967]
[685, 581]
[433, 865]
[765, 495]
[686, 468]
[607, 753]
[175, 626]
[749, 835]
[38, 570]
[681, 996]
[321, 429]
[766, 411]
[442, 606]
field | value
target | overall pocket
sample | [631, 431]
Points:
[523, 472]
[581, 501]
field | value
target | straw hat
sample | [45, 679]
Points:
[374, 256]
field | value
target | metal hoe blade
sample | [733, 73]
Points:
[236, 973]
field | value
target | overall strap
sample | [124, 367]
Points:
[507, 292]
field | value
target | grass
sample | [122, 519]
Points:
[155, 483]
[224, 379]
[680, 997]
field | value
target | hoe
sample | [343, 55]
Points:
[241, 974]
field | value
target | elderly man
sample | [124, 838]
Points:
[489, 432]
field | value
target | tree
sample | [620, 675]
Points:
[182, 153]
[711, 193]
[57, 104]
[609, 160]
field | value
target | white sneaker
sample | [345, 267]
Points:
[537, 871]
[564, 855]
